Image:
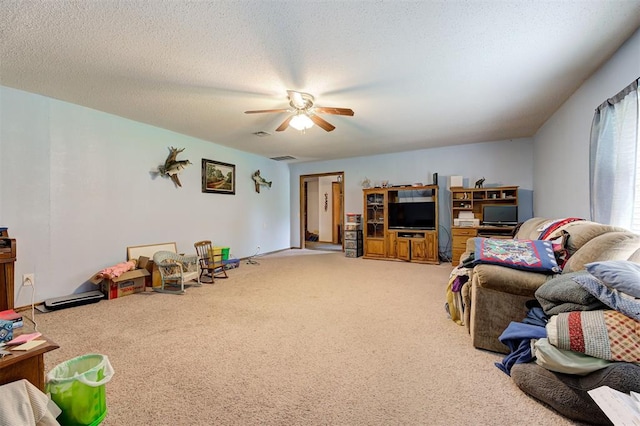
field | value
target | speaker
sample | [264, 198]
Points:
[435, 178]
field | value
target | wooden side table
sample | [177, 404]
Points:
[26, 364]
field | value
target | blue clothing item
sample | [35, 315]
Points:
[536, 316]
[517, 337]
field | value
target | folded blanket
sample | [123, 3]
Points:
[117, 270]
[563, 361]
[553, 229]
[563, 294]
[604, 334]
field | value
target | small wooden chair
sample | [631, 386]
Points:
[211, 263]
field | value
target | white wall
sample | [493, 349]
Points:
[561, 147]
[77, 190]
[501, 163]
[325, 216]
[313, 206]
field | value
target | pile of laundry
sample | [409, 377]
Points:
[582, 327]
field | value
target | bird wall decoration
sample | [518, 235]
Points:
[172, 166]
[259, 180]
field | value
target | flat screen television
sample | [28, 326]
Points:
[497, 215]
[416, 215]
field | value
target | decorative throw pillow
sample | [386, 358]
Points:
[621, 275]
[528, 255]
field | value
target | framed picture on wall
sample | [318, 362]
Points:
[217, 177]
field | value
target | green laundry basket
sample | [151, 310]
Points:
[77, 387]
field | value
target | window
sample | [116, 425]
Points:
[615, 160]
[635, 220]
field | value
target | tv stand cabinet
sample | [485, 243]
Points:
[473, 200]
[412, 245]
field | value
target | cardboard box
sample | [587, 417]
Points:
[146, 252]
[128, 283]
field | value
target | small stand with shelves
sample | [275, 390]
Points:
[401, 223]
[353, 246]
[473, 200]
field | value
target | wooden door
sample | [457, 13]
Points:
[431, 247]
[374, 248]
[403, 252]
[418, 250]
[392, 244]
[336, 197]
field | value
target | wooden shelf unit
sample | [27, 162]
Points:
[414, 245]
[7, 269]
[473, 200]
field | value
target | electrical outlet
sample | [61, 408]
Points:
[28, 279]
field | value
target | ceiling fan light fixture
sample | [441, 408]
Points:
[301, 122]
[304, 114]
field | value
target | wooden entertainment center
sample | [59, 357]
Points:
[473, 200]
[393, 231]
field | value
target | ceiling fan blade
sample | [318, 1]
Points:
[322, 123]
[266, 110]
[284, 124]
[336, 111]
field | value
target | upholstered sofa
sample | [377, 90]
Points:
[496, 295]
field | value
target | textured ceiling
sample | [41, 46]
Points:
[417, 74]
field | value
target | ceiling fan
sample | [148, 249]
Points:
[304, 113]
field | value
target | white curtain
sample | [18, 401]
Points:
[614, 160]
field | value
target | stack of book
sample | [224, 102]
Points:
[11, 315]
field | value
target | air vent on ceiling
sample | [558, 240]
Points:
[262, 134]
[283, 158]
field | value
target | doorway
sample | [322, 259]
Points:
[322, 211]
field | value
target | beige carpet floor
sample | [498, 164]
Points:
[302, 338]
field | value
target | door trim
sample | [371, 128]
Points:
[303, 201]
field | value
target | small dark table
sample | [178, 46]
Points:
[26, 364]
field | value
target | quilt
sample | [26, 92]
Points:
[528, 255]
[604, 334]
